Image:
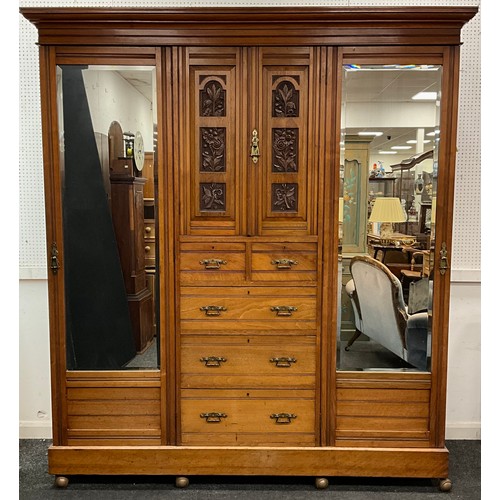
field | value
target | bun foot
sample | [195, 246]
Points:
[321, 483]
[181, 482]
[61, 481]
[445, 484]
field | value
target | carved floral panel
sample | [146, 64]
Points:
[284, 197]
[285, 149]
[213, 149]
[212, 197]
[213, 99]
[285, 100]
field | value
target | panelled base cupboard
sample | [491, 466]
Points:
[247, 151]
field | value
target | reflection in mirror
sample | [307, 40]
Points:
[389, 169]
[107, 117]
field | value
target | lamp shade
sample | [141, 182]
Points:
[387, 210]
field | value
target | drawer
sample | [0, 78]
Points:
[284, 262]
[150, 252]
[212, 262]
[248, 361]
[245, 417]
[247, 308]
[149, 229]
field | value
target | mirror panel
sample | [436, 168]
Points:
[107, 117]
[389, 172]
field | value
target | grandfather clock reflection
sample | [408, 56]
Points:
[127, 208]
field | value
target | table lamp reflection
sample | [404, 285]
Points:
[387, 211]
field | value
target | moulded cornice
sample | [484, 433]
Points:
[250, 26]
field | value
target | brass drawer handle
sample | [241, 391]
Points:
[213, 360]
[212, 310]
[213, 417]
[284, 263]
[212, 263]
[283, 310]
[283, 362]
[283, 418]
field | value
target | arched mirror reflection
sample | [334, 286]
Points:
[389, 174]
[107, 117]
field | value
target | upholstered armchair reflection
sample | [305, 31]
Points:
[381, 314]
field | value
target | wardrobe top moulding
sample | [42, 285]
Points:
[250, 26]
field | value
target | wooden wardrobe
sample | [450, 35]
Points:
[247, 154]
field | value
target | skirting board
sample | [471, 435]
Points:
[463, 430]
[35, 430]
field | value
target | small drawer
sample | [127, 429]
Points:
[248, 361]
[247, 308]
[149, 249]
[275, 416]
[149, 252]
[284, 261]
[149, 229]
[209, 262]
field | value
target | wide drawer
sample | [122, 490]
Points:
[284, 262]
[212, 262]
[247, 308]
[248, 361]
[249, 416]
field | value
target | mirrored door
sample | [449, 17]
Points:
[388, 185]
[107, 117]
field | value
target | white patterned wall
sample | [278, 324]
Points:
[467, 223]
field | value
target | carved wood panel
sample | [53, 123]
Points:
[226, 93]
[284, 197]
[286, 99]
[212, 197]
[285, 150]
[213, 149]
[286, 168]
[213, 99]
[210, 171]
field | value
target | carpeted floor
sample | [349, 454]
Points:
[35, 483]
